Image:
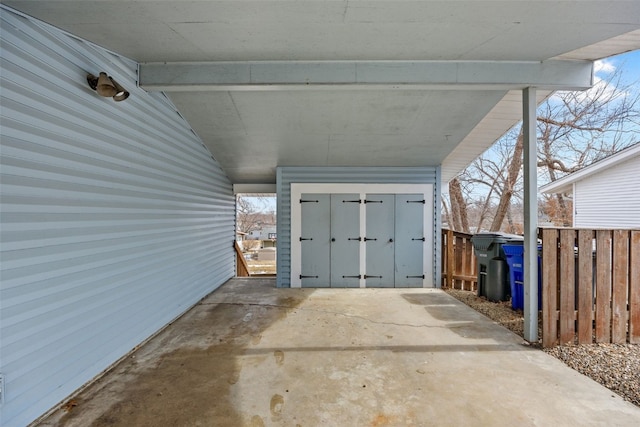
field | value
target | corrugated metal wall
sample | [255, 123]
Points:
[609, 199]
[115, 218]
[363, 175]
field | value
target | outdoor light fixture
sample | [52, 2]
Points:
[107, 87]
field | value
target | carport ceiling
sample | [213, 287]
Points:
[252, 128]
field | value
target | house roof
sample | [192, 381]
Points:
[565, 184]
[350, 83]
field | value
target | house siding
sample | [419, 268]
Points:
[339, 175]
[609, 199]
[115, 218]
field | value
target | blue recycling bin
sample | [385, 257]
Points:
[514, 252]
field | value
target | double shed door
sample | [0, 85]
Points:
[331, 242]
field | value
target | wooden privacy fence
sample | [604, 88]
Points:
[458, 261]
[590, 286]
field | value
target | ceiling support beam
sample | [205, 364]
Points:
[530, 161]
[254, 189]
[301, 75]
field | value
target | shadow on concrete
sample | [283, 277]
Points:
[190, 372]
[442, 307]
[464, 320]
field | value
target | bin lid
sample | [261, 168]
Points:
[483, 241]
[513, 249]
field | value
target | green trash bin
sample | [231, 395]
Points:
[493, 271]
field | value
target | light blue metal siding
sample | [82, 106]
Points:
[115, 218]
[363, 175]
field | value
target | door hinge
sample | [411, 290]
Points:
[308, 277]
[416, 201]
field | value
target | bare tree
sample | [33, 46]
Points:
[509, 188]
[577, 128]
[251, 214]
[458, 207]
[574, 130]
[491, 181]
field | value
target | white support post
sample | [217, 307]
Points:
[530, 215]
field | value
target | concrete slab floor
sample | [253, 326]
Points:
[253, 355]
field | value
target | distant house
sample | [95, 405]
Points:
[606, 194]
[254, 235]
[268, 232]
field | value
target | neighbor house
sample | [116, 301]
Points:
[118, 215]
[605, 194]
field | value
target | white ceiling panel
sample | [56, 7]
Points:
[332, 128]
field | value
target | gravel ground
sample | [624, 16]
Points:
[615, 366]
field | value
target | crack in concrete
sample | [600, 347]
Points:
[353, 316]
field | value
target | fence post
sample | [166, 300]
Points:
[585, 286]
[634, 288]
[567, 287]
[620, 285]
[450, 259]
[603, 286]
[549, 287]
[470, 263]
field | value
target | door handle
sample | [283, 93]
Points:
[419, 239]
[415, 277]
[308, 277]
[350, 277]
[333, 239]
[390, 240]
[376, 277]
[367, 239]
[306, 238]
[355, 238]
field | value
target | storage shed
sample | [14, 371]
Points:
[118, 215]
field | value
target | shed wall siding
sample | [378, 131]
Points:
[338, 175]
[115, 217]
[609, 199]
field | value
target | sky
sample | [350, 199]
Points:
[263, 204]
[630, 61]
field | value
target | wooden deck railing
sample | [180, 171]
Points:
[242, 269]
[590, 286]
[458, 261]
